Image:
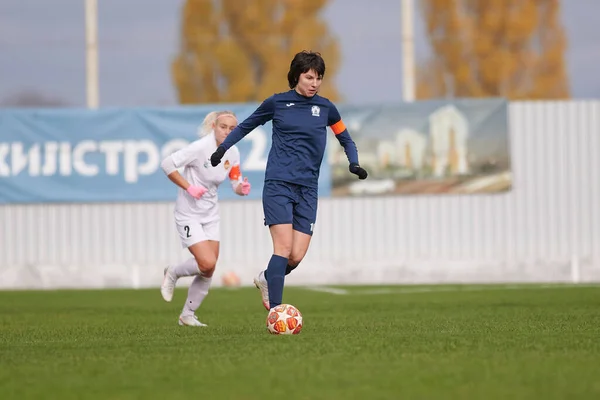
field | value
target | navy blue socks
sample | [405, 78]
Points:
[275, 276]
[288, 269]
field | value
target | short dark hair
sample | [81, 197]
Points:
[304, 62]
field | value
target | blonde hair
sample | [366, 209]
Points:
[211, 118]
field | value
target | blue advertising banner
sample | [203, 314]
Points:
[112, 155]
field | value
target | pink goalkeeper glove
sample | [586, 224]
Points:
[196, 191]
[245, 187]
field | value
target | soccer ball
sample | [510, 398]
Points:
[284, 319]
[231, 279]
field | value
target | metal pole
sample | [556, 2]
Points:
[91, 53]
[408, 51]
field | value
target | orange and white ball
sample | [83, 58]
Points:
[284, 319]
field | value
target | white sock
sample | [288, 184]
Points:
[187, 268]
[196, 294]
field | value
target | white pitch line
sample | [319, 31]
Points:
[359, 292]
[325, 289]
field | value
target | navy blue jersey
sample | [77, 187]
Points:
[299, 135]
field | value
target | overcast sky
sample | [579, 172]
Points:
[42, 49]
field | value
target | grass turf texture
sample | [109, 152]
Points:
[369, 343]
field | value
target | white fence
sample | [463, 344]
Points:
[547, 228]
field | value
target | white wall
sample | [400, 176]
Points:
[546, 229]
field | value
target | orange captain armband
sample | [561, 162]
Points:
[235, 173]
[338, 127]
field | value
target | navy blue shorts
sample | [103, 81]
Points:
[288, 203]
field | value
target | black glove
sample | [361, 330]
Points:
[215, 159]
[358, 170]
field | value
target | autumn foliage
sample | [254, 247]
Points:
[240, 50]
[494, 48]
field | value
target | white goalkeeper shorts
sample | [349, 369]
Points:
[192, 232]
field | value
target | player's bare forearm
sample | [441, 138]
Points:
[179, 180]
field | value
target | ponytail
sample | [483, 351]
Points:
[207, 125]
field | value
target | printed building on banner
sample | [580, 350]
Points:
[411, 146]
[448, 133]
[430, 147]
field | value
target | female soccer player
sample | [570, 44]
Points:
[300, 119]
[197, 208]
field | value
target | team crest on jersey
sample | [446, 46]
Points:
[316, 111]
[227, 164]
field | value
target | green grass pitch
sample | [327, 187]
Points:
[441, 342]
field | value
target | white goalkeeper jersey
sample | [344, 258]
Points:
[197, 170]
